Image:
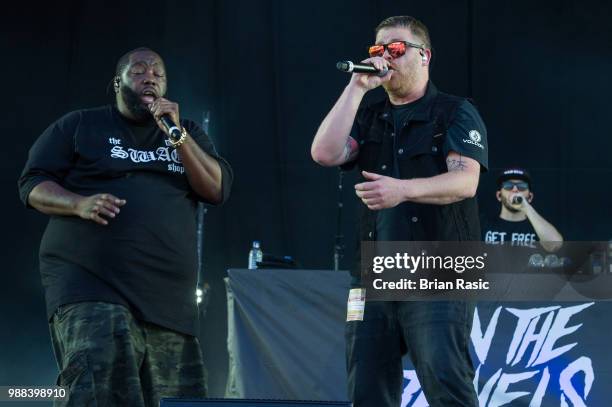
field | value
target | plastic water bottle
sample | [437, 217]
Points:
[255, 255]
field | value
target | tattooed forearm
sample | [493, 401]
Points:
[456, 164]
[350, 149]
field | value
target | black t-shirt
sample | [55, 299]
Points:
[391, 222]
[500, 231]
[145, 257]
[467, 135]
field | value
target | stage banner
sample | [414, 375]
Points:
[286, 340]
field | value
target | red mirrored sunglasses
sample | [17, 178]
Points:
[396, 49]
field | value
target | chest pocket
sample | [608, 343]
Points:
[370, 148]
[420, 151]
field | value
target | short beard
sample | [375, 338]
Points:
[132, 101]
[508, 206]
[404, 82]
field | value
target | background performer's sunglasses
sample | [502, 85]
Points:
[521, 186]
[395, 49]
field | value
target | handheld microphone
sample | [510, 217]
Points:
[517, 199]
[173, 129]
[350, 67]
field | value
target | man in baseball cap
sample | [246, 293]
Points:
[514, 174]
[519, 224]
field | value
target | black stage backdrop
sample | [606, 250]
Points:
[538, 71]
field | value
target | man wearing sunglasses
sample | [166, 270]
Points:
[518, 223]
[420, 152]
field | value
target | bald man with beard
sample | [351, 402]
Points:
[118, 257]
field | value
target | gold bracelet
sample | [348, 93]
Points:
[180, 141]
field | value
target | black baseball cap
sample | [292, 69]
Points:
[514, 173]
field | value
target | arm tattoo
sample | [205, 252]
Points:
[456, 164]
[350, 149]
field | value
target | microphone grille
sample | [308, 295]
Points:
[383, 72]
[345, 66]
[517, 199]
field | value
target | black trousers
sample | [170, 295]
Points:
[436, 337]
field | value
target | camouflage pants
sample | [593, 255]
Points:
[108, 358]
